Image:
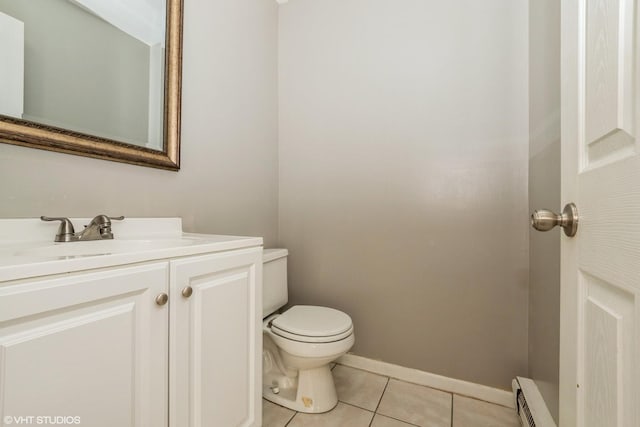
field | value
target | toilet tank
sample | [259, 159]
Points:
[274, 280]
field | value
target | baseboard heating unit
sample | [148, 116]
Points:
[532, 410]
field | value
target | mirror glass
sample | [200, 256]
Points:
[93, 72]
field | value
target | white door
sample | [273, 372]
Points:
[600, 295]
[216, 340]
[85, 349]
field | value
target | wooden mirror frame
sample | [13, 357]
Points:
[36, 135]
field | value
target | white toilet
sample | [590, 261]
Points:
[299, 344]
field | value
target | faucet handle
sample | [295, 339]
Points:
[103, 225]
[103, 219]
[65, 231]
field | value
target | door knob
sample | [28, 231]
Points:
[162, 299]
[545, 220]
[187, 292]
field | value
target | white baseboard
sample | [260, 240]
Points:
[451, 385]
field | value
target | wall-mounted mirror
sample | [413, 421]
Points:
[94, 78]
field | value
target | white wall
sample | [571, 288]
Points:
[403, 176]
[228, 181]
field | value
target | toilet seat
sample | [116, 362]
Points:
[308, 339]
[312, 324]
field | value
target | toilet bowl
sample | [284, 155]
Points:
[298, 346]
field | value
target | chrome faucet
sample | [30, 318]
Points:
[98, 229]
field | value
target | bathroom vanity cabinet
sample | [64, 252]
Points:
[216, 351]
[171, 337]
[92, 345]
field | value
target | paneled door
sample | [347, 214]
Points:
[600, 295]
[216, 340]
[86, 349]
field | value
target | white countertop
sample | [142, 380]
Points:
[27, 248]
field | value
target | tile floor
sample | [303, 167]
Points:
[370, 400]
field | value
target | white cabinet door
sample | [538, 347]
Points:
[92, 346]
[216, 340]
[600, 294]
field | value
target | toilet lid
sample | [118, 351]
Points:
[313, 321]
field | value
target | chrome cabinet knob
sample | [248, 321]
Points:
[545, 220]
[187, 292]
[162, 299]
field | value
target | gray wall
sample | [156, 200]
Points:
[404, 164]
[544, 192]
[403, 177]
[67, 47]
[228, 181]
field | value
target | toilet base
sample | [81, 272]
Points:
[312, 391]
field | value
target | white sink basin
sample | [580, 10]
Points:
[27, 248]
[102, 247]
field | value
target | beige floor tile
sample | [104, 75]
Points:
[275, 415]
[359, 388]
[342, 415]
[416, 404]
[382, 421]
[476, 413]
